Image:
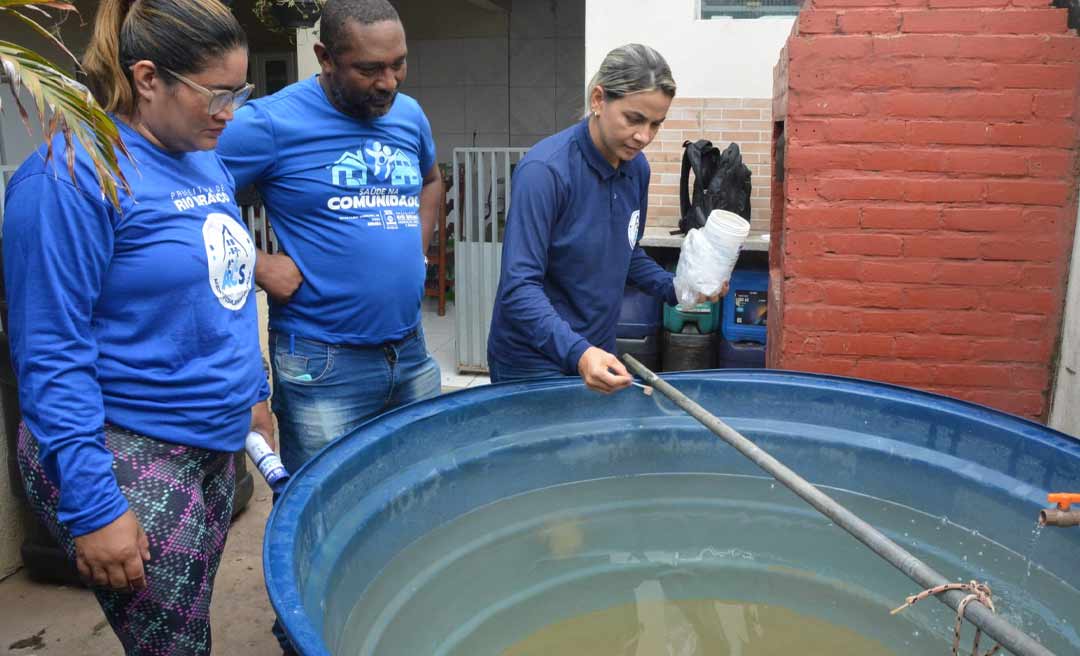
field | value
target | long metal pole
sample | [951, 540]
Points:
[1007, 635]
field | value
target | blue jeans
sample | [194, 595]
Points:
[501, 373]
[323, 391]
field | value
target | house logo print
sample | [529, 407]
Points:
[404, 173]
[350, 170]
[230, 259]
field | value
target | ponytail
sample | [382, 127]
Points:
[181, 35]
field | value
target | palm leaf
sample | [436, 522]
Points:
[63, 105]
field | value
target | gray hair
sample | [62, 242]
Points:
[633, 68]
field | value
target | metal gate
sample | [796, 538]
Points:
[482, 187]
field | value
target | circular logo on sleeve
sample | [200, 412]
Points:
[632, 229]
[230, 259]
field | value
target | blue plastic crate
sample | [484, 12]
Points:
[746, 306]
[639, 316]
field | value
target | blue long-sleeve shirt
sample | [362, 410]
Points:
[142, 318]
[569, 249]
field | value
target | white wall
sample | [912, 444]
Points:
[1064, 413]
[719, 58]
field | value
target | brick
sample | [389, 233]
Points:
[1001, 48]
[855, 130]
[945, 298]
[818, 364]
[904, 159]
[1028, 404]
[953, 104]
[824, 268]
[830, 47]
[944, 191]
[967, 4]
[819, 218]
[798, 343]
[815, 158]
[801, 189]
[896, 321]
[862, 295]
[813, 319]
[1012, 350]
[998, 162]
[1028, 192]
[841, 74]
[803, 292]
[1055, 134]
[872, 21]
[1051, 164]
[844, 4]
[939, 21]
[806, 130]
[975, 274]
[973, 375]
[827, 104]
[858, 345]
[1022, 301]
[1055, 105]
[941, 246]
[1028, 250]
[860, 244]
[933, 347]
[1037, 275]
[948, 132]
[901, 218]
[860, 189]
[814, 21]
[1038, 76]
[908, 271]
[916, 45]
[1065, 47]
[1026, 326]
[953, 75]
[983, 219]
[804, 243]
[985, 324]
[1025, 21]
[893, 372]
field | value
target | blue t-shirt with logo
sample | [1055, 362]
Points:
[143, 317]
[343, 196]
[570, 248]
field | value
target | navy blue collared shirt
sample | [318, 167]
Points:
[570, 248]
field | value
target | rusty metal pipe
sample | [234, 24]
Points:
[1055, 517]
[995, 626]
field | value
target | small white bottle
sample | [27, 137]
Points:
[268, 462]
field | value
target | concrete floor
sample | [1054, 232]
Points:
[38, 619]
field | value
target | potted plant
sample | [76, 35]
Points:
[288, 14]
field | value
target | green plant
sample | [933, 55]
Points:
[287, 14]
[63, 105]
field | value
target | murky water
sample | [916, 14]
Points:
[686, 565]
[695, 628]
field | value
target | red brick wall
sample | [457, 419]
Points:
[745, 121]
[922, 232]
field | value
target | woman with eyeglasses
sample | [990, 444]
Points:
[133, 330]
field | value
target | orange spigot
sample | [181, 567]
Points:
[1062, 514]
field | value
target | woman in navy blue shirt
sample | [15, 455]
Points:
[133, 329]
[577, 211]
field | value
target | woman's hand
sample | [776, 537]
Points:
[715, 297]
[602, 371]
[113, 555]
[262, 422]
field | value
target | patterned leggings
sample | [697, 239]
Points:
[183, 498]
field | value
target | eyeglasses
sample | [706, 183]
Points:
[220, 99]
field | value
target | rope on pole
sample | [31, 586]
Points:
[1008, 636]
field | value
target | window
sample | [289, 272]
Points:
[748, 8]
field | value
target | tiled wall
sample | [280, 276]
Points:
[745, 121]
[507, 90]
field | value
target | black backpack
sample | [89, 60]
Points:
[721, 182]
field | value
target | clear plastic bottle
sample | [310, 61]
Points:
[268, 462]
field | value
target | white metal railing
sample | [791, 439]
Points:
[482, 194]
[259, 226]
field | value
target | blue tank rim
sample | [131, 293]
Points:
[282, 587]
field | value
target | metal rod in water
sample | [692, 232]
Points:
[1007, 635]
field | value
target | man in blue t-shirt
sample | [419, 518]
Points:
[346, 168]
